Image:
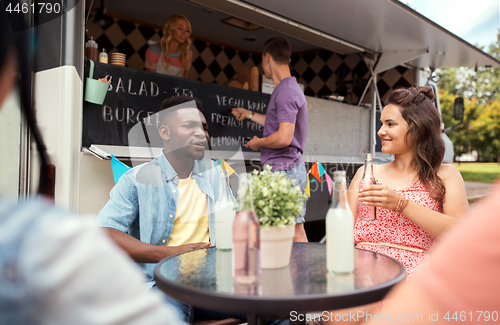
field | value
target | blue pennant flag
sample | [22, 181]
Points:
[118, 167]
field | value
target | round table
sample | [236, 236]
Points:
[202, 278]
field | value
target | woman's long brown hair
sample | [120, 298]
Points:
[416, 105]
[167, 37]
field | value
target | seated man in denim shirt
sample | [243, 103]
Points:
[166, 206]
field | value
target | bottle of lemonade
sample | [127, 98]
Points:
[339, 229]
[224, 215]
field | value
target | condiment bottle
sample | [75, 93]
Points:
[91, 51]
[367, 212]
[339, 229]
[225, 211]
[103, 56]
[246, 236]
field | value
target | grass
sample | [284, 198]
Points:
[479, 172]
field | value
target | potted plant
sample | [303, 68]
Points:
[277, 201]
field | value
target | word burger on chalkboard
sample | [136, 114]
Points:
[135, 96]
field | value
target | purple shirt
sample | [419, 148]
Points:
[287, 104]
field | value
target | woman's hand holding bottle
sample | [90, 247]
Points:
[380, 196]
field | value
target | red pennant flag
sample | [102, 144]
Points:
[315, 171]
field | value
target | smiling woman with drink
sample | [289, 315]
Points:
[417, 197]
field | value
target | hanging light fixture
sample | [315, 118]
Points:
[100, 18]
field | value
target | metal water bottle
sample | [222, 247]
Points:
[339, 229]
[367, 212]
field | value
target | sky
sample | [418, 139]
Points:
[476, 21]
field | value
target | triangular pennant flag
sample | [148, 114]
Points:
[308, 187]
[225, 166]
[329, 182]
[315, 171]
[320, 169]
[118, 167]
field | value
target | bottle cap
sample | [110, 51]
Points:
[91, 42]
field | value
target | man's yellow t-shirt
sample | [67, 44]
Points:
[191, 216]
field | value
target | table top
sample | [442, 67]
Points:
[203, 278]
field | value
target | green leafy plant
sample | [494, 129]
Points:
[277, 199]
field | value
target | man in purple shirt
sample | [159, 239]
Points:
[285, 124]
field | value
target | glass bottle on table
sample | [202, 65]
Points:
[339, 229]
[367, 212]
[246, 236]
[225, 210]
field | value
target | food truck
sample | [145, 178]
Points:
[347, 54]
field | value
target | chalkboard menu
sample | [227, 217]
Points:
[134, 96]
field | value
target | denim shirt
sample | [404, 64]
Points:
[144, 201]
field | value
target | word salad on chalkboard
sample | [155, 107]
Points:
[134, 96]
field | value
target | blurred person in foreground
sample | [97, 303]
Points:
[57, 267]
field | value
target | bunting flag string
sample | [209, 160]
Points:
[225, 166]
[329, 182]
[308, 187]
[317, 170]
[118, 168]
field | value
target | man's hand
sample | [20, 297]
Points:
[300, 233]
[254, 143]
[148, 253]
[240, 113]
[184, 248]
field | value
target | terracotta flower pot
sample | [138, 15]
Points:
[276, 246]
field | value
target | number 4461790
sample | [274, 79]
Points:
[472, 316]
[42, 7]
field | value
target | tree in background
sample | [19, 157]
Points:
[480, 88]
[464, 136]
[487, 131]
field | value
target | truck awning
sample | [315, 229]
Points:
[361, 26]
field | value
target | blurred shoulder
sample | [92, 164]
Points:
[447, 171]
[34, 216]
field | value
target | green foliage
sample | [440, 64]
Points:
[277, 200]
[464, 137]
[480, 88]
[480, 82]
[487, 131]
[456, 81]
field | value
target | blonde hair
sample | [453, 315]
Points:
[167, 37]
